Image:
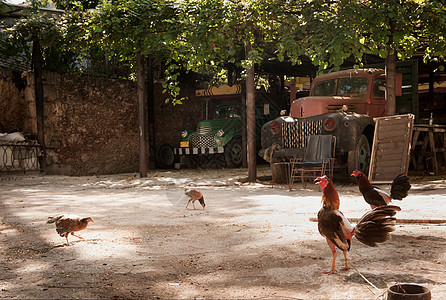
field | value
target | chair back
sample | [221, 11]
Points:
[319, 147]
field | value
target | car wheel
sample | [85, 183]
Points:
[164, 156]
[233, 153]
[359, 158]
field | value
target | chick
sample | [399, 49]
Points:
[194, 195]
[66, 224]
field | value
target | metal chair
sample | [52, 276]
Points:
[317, 161]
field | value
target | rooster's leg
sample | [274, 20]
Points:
[188, 203]
[333, 263]
[68, 243]
[347, 267]
[77, 236]
[193, 203]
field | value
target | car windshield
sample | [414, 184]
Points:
[324, 88]
[344, 86]
[227, 112]
[349, 86]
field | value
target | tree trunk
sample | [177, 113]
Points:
[151, 113]
[38, 90]
[142, 129]
[251, 122]
[390, 70]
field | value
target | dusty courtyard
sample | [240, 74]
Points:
[253, 241]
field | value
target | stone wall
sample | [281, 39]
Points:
[91, 124]
[13, 109]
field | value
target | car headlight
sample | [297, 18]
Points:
[275, 127]
[220, 133]
[329, 124]
[184, 134]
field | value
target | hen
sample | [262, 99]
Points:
[377, 197]
[66, 224]
[194, 195]
[373, 228]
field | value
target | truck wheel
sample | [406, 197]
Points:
[164, 156]
[233, 153]
[359, 158]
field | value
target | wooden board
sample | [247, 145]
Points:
[235, 89]
[401, 221]
[391, 147]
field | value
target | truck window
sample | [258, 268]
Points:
[227, 113]
[324, 88]
[379, 88]
[350, 86]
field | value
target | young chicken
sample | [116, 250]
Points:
[66, 224]
[376, 197]
[374, 227]
[194, 195]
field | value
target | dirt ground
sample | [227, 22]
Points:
[253, 241]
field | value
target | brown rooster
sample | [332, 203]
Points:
[194, 195]
[374, 227]
[377, 197]
[66, 224]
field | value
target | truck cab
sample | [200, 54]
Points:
[361, 91]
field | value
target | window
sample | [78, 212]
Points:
[227, 113]
[352, 86]
[324, 88]
[379, 88]
[344, 87]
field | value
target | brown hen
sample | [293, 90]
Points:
[66, 224]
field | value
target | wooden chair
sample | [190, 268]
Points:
[317, 161]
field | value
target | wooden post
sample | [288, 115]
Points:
[244, 134]
[38, 90]
[141, 95]
[251, 122]
[151, 113]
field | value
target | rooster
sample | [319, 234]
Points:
[194, 195]
[66, 224]
[377, 197]
[373, 228]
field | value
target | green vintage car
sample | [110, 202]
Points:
[218, 142]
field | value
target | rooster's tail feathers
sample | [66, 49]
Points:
[53, 219]
[376, 225]
[400, 187]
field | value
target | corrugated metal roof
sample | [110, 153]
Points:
[16, 63]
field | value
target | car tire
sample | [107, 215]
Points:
[164, 156]
[359, 158]
[234, 153]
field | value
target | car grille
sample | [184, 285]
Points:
[295, 134]
[204, 129]
[200, 141]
